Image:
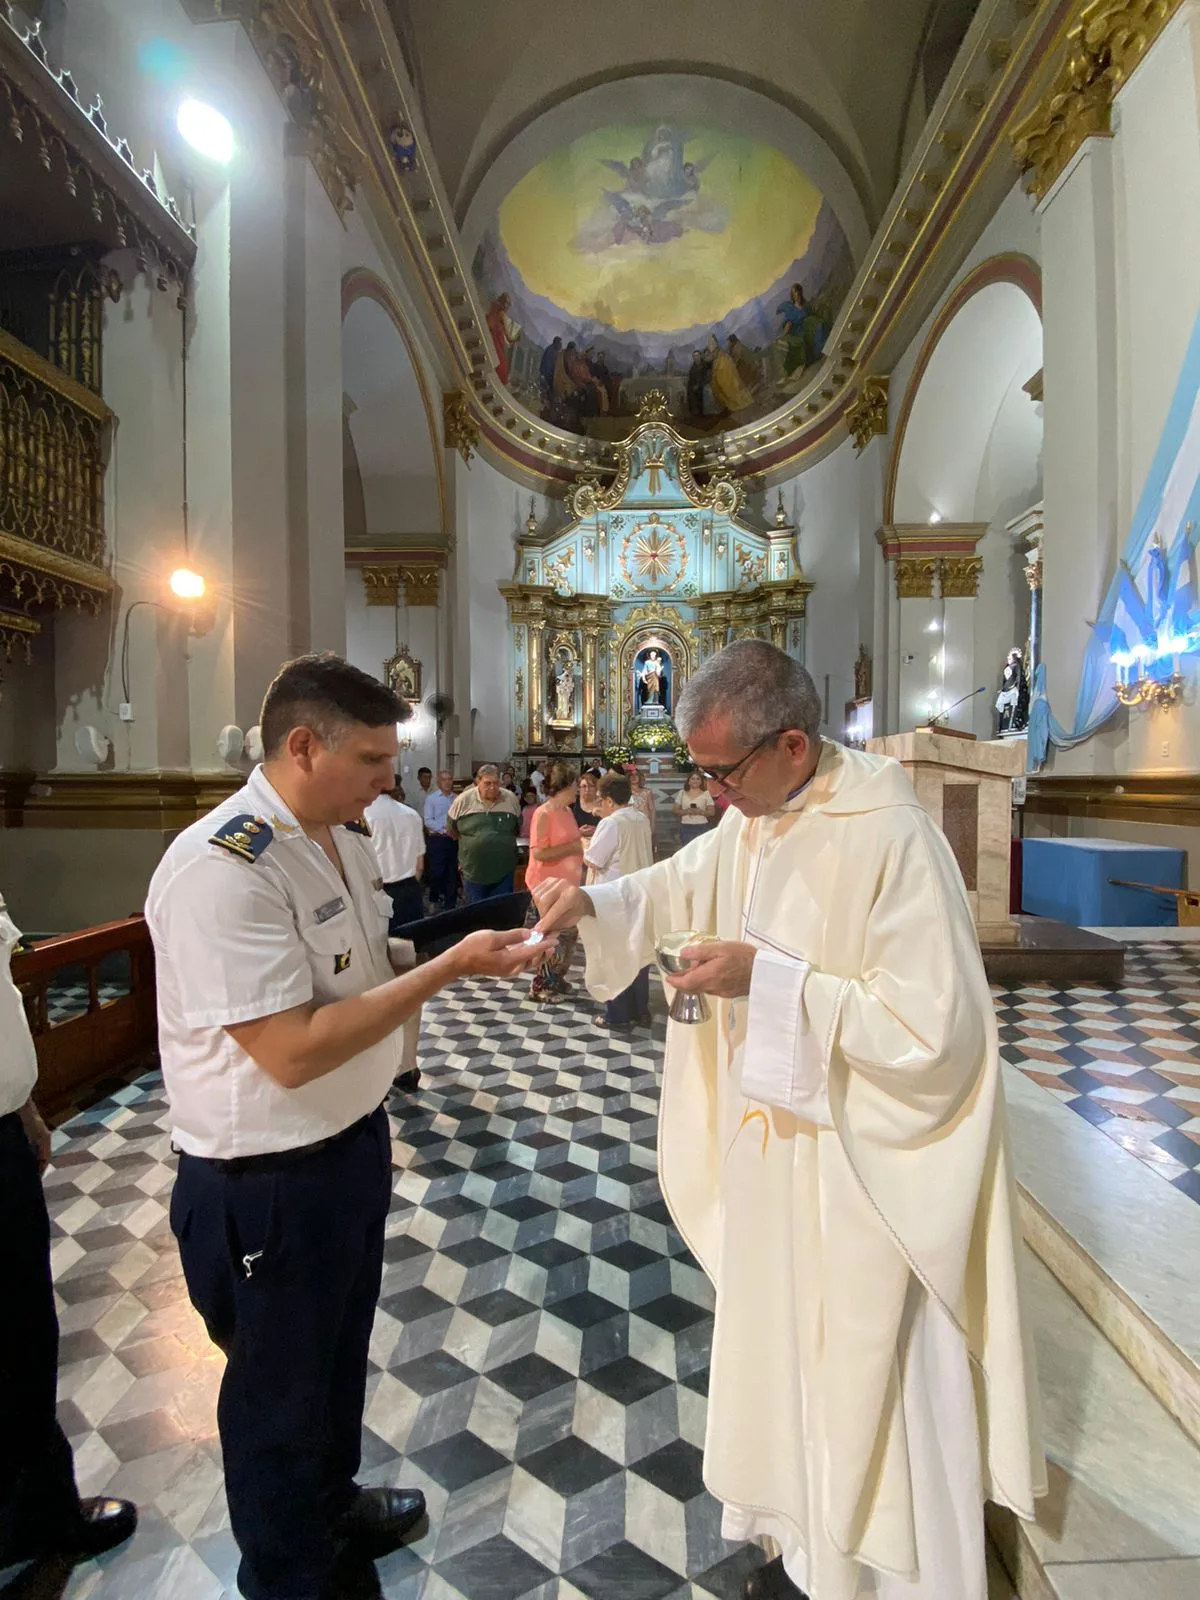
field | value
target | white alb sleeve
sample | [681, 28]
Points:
[783, 1062]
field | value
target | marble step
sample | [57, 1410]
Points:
[1122, 1240]
[1122, 1519]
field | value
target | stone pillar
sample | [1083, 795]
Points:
[1081, 444]
[930, 621]
[591, 642]
[313, 270]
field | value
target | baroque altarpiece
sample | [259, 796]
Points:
[610, 615]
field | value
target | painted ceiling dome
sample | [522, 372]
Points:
[696, 259]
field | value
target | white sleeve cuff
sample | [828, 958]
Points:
[783, 1062]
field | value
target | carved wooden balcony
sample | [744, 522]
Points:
[54, 439]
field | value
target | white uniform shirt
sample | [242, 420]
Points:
[18, 1058]
[398, 835]
[621, 844]
[237, 939]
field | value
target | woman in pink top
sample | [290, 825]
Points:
[555, 851]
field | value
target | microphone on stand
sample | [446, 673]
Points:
[933, 721]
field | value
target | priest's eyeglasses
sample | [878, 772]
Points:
[723, 775]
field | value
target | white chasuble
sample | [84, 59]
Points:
[833, 1150]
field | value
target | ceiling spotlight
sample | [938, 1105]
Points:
[935, 516]
[186, 584]
[206, 130]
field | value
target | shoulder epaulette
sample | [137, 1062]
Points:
[246, 837]
[360, 826]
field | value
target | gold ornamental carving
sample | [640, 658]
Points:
[381, 585]
[656, 553]
[648, 449]
[53, 446]
[1103, 48]
[915, 576]
[1033, 573]
[459, 425]
[867, 418]
[960, 577]
[420, 584]
[17, 633]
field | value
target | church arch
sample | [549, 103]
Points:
[390, 412]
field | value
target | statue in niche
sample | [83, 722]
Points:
[564, 693]
[1012, 703]
[652, 682]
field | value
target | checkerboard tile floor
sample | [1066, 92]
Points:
[540, 1353]
[1128, 1060]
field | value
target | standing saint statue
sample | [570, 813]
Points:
[652, 680]
[1012, 703]
[564, 691]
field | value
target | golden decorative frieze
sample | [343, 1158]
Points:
[867, 418]
[915, 576]
[1109, 40]
[960, 576]
[1033, 573]
[458, 423]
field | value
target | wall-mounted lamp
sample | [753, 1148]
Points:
[1148, 674]
[935, 516]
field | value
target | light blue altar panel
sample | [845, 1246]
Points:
[1068, 879]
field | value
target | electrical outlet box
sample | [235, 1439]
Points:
[126, 711]
[1166, 751]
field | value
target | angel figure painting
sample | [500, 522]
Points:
[694, 259]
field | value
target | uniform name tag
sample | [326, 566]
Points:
[329, 909]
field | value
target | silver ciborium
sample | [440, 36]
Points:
[684, 1007]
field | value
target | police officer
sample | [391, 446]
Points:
[41, 1513]
[278, 1019]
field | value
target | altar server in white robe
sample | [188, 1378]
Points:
[832, 1147]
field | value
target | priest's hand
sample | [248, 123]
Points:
[720, 967]
[560, 905]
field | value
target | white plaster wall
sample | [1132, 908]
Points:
[373, 635]
[832, 504]
[496, 510]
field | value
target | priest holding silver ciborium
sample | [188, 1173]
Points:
[833, 1150]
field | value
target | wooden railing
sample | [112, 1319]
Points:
[82, 1050]
[53, 449]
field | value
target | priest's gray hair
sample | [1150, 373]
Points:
[760, 687]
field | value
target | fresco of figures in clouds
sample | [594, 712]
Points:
[687, 259]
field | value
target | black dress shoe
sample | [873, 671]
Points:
[102, 1524]
[771, 1582]
[380, 1518]
[407, 1082]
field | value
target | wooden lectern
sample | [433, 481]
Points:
[966, 787]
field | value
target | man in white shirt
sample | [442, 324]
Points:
[622, 843]
[278, 1013]
[442, 846]
[41, 1513]
[398, 835]
[537, 778]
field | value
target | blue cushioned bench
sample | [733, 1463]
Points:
[1070, 880]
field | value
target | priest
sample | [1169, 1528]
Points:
[832, 1147]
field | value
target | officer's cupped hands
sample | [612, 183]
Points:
[488, 954]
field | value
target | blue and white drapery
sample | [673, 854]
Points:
[1151, 612]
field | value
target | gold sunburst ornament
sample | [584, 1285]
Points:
[653, 555]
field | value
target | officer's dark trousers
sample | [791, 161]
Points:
[37, 1477]
[283, 1261]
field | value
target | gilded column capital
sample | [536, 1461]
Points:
[867, 418]
[960, 577]
[914, 577]
[459, 425]
[1102, 50]
[381, 584]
